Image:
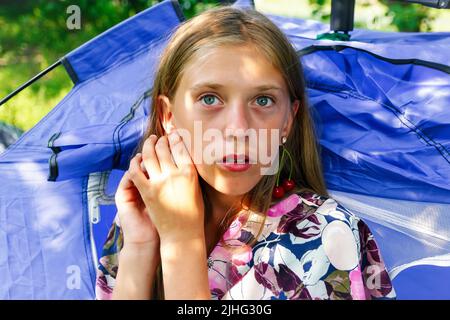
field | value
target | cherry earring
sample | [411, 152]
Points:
[288, 184]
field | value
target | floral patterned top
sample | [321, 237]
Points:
[311, 247]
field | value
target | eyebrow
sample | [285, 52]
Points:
[212, 85]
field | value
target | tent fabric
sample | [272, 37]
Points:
[395, 102]
[414, 238]
[379, 105]
[46, 234]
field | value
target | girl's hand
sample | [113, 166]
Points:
[172, 195]
[137, 226]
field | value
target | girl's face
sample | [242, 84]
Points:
[225, 98]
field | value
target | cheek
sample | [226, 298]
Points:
[186, 130]
[267, 143]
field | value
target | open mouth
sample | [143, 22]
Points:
[235, 163]
[235, 158]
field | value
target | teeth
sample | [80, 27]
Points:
[233, 160]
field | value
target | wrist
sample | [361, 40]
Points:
[184, 267]
[173, 249]
[140, 250]
[186, 236]
[136, 272]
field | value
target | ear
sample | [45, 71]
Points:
[167, 116]
[291, 117]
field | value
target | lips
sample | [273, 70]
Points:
[235, 163]
[235, 158]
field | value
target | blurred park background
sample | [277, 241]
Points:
[34, 34]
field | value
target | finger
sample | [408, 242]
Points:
[179, 150]
[142, 165]
[137, 176]
[149, 157]
[164, 155]
[124, 183]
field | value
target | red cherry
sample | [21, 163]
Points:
[278, 192]
[288, 185]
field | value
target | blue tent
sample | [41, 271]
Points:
[380, 103]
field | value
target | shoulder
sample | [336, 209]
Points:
[320, 221]
[305, 216]
[323, 246]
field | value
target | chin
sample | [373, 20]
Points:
[232, 190]
[233, 184]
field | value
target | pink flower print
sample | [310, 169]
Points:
[233, 231]
[102, 290]
[242, 255]
[284, 206]
[357, 288]
[217, 264]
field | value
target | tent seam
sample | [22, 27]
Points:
[421, 135]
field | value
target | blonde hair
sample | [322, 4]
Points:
[227, 25]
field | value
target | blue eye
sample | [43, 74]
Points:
[265, 101]
[208, 99]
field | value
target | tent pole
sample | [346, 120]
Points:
[26, 84]
[342, 15]
[438, 4]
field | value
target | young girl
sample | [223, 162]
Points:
[227, 229]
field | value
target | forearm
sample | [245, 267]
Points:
[136, 273]
[185, 271]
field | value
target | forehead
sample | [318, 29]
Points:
[233, 66]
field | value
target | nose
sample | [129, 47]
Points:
[237, 120]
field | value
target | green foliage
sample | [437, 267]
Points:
[320, 9]
[34, 35]
[192, 7]
[409, 17]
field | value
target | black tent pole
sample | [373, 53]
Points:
[342, 15]
[341, 21]
[438, 4]
[29, 82]
[343, 12]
